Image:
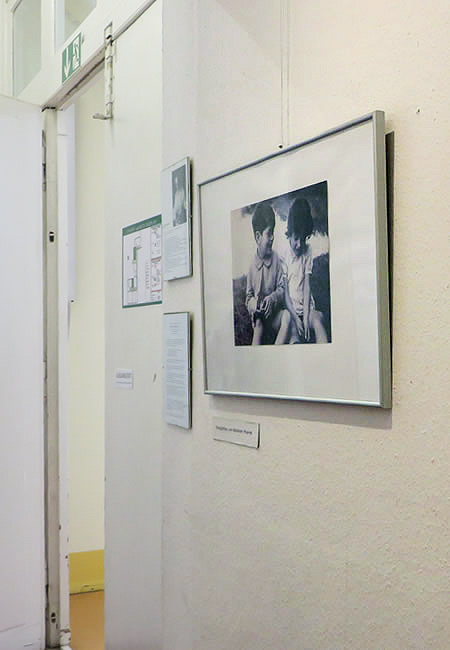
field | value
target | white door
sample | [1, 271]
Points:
[22, 581]
[133, 419]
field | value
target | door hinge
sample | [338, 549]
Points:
[109, 56]
[44, 163]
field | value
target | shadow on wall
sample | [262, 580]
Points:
[351, 415]
[370, 417]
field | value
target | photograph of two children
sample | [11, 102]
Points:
[280, 268]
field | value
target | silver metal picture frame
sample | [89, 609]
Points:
[295, 277]
[177, 220]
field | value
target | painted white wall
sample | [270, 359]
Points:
[335, 533]
[86, 333]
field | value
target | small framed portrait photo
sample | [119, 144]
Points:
[176, 217]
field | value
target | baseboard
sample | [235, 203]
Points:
[86, 572]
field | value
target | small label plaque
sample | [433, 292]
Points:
[237, 432]
[124, 378]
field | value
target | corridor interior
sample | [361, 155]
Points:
[86, 368]
[87, 621]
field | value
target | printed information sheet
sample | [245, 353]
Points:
[177, 375]
[141, 263]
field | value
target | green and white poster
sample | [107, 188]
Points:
[141, 263]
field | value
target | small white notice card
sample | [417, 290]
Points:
[240, 433]
[177, 374]
[124, 378]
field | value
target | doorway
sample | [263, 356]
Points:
[133, 157]
[132, 164]
[84, 164]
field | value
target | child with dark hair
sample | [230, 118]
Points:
[265, 283]
[299, 300]
[178, 197]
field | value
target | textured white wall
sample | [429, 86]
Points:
[335, 533]
[86, 335]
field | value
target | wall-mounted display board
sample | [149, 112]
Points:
[176, 218]
[295, 272]
[141, 263]
[177, 369]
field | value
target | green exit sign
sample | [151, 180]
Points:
[71, 58]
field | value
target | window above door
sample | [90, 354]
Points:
[69, 14]
[26, 33]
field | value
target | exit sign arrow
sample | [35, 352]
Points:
[66, 65]
[71, 58]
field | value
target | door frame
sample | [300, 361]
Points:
[56, 314]
[56, 292]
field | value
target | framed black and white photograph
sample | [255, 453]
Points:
[280, 268]
[176, 216]
[295, 272]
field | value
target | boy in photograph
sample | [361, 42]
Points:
[298, 299]
[265, 299]
[178, 197]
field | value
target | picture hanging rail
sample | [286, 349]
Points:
[176, 219]
[295, 272]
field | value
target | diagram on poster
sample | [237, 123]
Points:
[141, 263]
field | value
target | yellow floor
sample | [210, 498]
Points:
[87, 621]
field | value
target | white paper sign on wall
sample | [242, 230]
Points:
[124, 378]
[237, 432]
